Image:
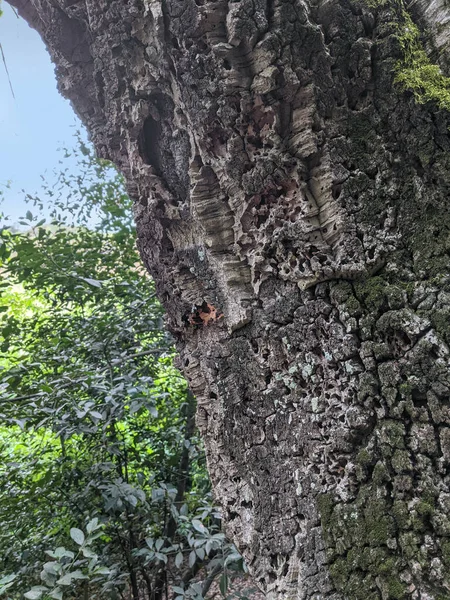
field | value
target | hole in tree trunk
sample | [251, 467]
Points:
[148, 143]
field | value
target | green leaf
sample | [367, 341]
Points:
[36, 592]
[7, 582]
[192, 558]
[77, 535]
[57, 594]
[48, 578]
[60, 552]
[52, 567]
[94, 282]
[232, 558]
[92, 525]
[65, 579]
[96, 415]
[178, 560]
[78, 575]
[198, 526]
[177, 589]
[102, 571]
[223, 584]
[162, 557]
[200, 552]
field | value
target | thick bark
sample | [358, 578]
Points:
[292, 205]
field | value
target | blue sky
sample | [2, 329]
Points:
[34, 124]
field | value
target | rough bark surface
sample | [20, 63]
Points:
[293, 207]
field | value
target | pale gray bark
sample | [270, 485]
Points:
[288, 192]
[436, 17]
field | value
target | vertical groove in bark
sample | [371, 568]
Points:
[281, 181]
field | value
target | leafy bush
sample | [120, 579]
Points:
[103, 486]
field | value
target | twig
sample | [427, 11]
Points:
[7, 72]
[210, 579]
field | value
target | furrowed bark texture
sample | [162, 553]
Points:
[292, 205]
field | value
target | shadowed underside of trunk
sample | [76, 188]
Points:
[292, 205]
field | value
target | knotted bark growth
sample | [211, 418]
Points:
[292, 204]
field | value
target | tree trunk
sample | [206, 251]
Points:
[292, 205]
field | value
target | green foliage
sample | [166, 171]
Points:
[67, 567]
[101, 468]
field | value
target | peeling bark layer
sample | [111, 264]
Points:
[293, 208]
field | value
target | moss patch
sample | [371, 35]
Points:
[375, 3]
[372, 292]
[432, 244]
[372, 540]
[415, 71]
[446, 553]
[357, 537]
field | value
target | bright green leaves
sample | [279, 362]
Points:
[99, 457]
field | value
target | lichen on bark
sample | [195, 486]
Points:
[281, 179]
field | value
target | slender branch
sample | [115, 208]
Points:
[7, 72]
[210, 579]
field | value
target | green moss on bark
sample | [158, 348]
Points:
[415, 71]
[373, 539]
[375, 3]
[358, 538]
